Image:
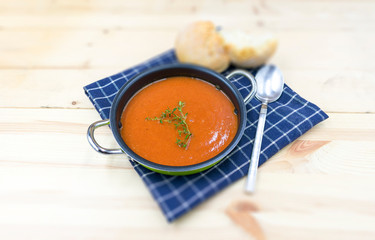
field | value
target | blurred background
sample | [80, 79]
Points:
[325, 47]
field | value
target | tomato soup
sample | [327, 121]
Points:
[210, 118]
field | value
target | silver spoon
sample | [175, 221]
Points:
[270, 83]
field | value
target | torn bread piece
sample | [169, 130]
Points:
[199, 43]
[247, 49]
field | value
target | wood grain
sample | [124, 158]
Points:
[66, 184]
[54, 186]
[63, 88]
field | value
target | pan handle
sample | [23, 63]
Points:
[94, 144]
[252, 80]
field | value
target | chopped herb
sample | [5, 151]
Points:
[178, 118]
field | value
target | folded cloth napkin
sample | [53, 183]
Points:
[287, 119]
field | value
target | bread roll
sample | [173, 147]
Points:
[247, 49]
[199, 43]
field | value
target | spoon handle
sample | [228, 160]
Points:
[251, 176]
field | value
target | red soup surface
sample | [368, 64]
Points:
[210, 119]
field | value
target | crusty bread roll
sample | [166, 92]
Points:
[199, 43]
[248, 49]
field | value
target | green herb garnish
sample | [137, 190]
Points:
[178, 118]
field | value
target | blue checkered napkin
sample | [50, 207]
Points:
[287, 119]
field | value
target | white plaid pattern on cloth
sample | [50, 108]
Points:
[287, 119]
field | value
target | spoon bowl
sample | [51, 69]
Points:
[270, 84]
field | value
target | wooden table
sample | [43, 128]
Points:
[53, 185]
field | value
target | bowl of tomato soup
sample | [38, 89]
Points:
[177, 119]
